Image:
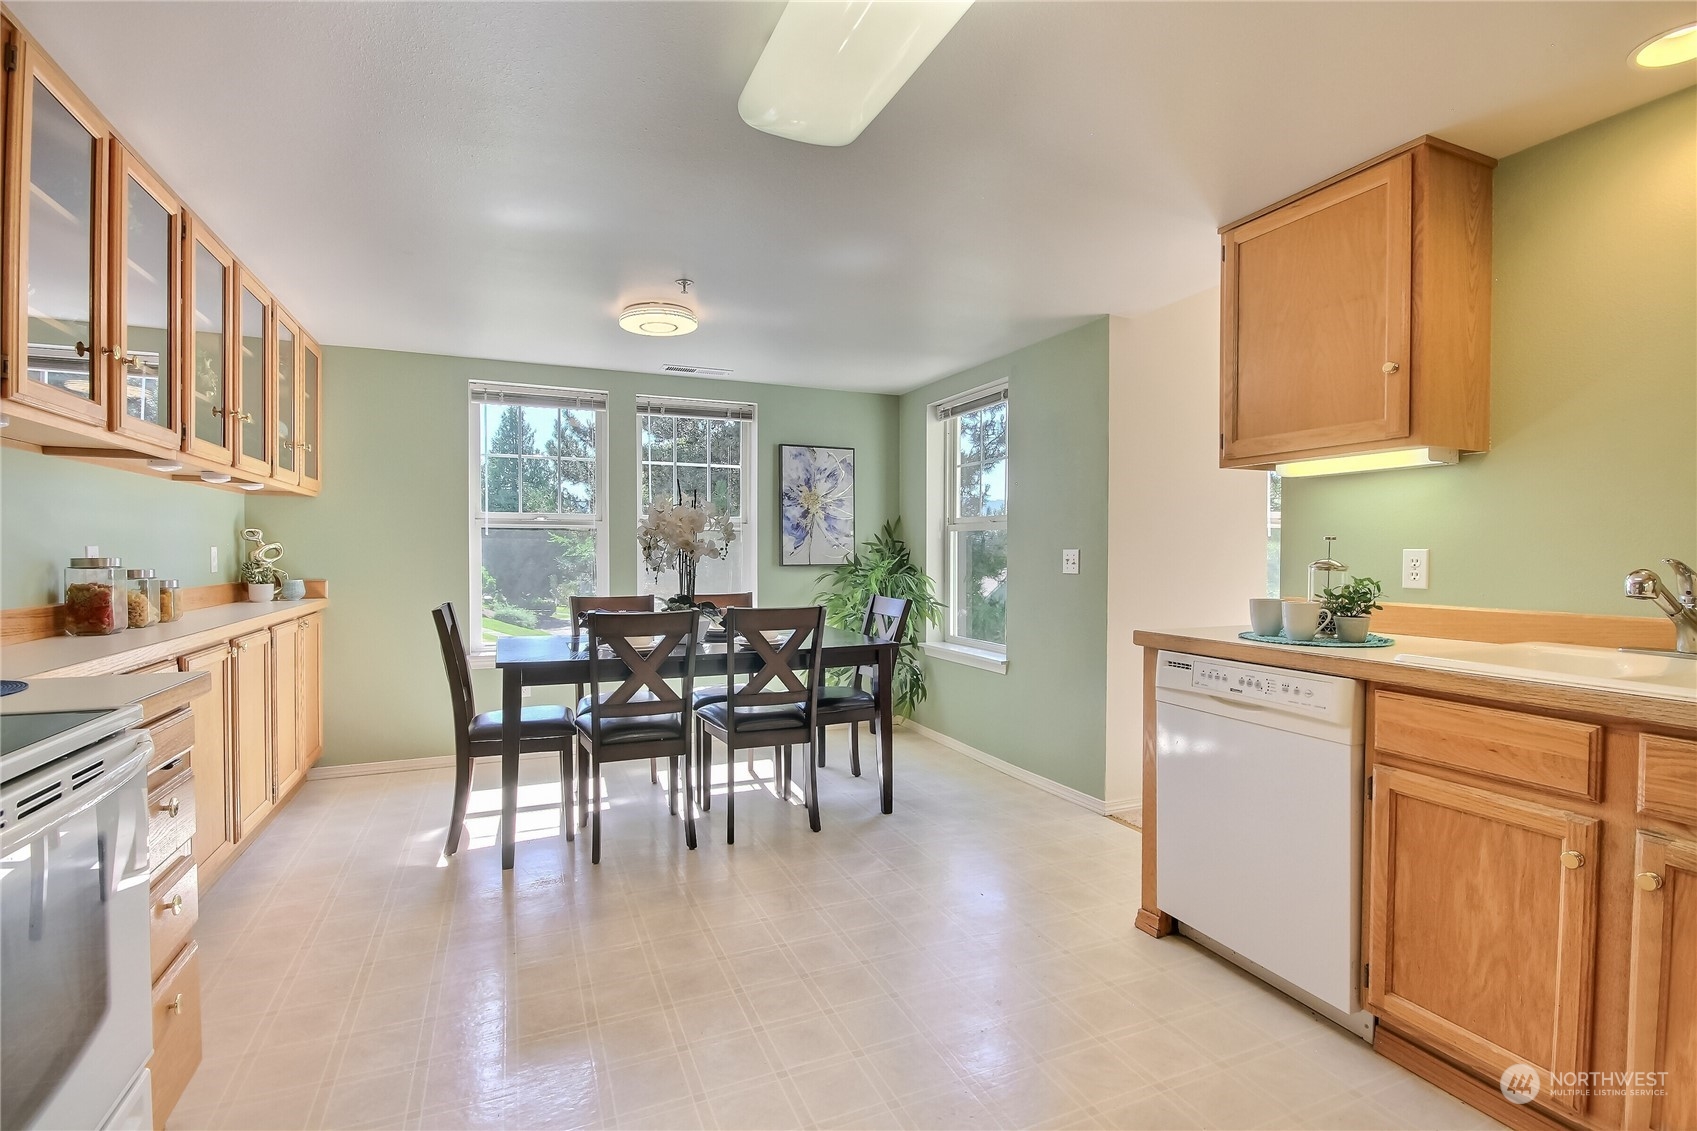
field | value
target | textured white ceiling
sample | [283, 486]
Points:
[496, 180]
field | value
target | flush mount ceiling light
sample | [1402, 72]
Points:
[657, 319]
[1668, 49]
[829, 68]
[1369, 461]
[164, 465]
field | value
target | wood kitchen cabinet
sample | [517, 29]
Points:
[250, 728]
[311, 653]
[209, 387]
[214, 827]
[55, 273]
[285, 706]
[1662, 999]
[311, 413]
[251, 430]
[1356, 315]
[287, 443]
[147, 231]
[1482, 928]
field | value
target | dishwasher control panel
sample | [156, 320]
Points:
[1299, 692]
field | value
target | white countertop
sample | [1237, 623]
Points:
[138, 647]
[91, 693]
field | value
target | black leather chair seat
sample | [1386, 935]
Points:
[631, 728]
[534, 722]
[845, 699]
[702, 696]
[750, 719]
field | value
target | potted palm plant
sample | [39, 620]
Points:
[884, 567]
[1349, 608]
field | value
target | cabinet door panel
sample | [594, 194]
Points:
[1483, 924]
[1662, 1019]
[255, 786]
[311, 689]
[1318, 304]
[146, 309]
[213, 828]
[253, 361]
[311, 415]
[58, 282]
[208, 286]
[285, 395]
[285, 704]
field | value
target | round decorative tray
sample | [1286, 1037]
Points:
[1374, 640]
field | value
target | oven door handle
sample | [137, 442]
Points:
[128, 752]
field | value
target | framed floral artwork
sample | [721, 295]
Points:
[816, 504]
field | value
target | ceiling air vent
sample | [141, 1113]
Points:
[695, 370]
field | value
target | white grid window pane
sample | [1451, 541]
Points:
[975, 529]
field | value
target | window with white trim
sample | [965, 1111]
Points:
[703, 450]
[975, 518]
[538, 510]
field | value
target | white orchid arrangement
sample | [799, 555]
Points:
[678, 534]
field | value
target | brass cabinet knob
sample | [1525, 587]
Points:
[176, 1005]
[1571, 859]
[1649, 881]
[1390, 367]
[175, 905]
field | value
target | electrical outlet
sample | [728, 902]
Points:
[1417, 569]
[215, 559]
[1069, 561]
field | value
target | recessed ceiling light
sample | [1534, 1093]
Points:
[215, 477]
[1669, 48]
[251, 486]
[164, 465]
[829, 69]
[658, 319]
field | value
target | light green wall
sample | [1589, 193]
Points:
[1593, 464]
[50, 508]
[390, 528]
[1047, 713]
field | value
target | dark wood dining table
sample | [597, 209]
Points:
[554, 661]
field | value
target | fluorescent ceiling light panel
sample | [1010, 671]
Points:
[1369, 461]
[831, 67]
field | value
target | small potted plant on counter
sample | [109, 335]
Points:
[1350, 608]
[259, 570]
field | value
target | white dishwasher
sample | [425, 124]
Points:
[1258, 788]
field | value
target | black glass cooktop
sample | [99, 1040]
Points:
[19, 731]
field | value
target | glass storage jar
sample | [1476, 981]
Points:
[170, 601]
[142, 598]
[94, 596]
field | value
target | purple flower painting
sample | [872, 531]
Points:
[817, 505]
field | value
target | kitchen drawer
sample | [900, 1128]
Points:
[171, 768]
[1557, 755]
[175, 895]
[176, 1032]
[170, 821]
[172, 735]
[1667, 778]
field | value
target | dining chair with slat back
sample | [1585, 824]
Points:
[479, 735]
[885, 621]
[582, 606]
[778, 705]
[644, 716]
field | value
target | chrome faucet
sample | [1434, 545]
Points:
[1644, 585]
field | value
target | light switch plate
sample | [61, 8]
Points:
[1069, 561]
[1417, 569]
[215, 559]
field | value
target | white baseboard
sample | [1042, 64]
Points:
[406, 765]
[1128, 811]
[1064, 792]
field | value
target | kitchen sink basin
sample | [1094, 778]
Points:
[1669, 675]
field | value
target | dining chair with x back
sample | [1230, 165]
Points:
[479, 735]
[582, 606]
[885, 621]
[778, 705]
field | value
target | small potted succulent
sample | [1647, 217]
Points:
[1349, 608]
[259, 570]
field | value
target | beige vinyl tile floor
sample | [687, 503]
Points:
[969, 961]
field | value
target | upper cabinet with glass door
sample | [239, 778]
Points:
[311, 412]
[209, 376]
[250, 429]
[55, 270]
[288, 446]
[146, 309]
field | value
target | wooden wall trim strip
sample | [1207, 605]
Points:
[20, 626]
[1513, 626]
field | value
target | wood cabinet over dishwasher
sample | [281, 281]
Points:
[131, 333]
[1529, 874]
[224, 762]
[1356, 315]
